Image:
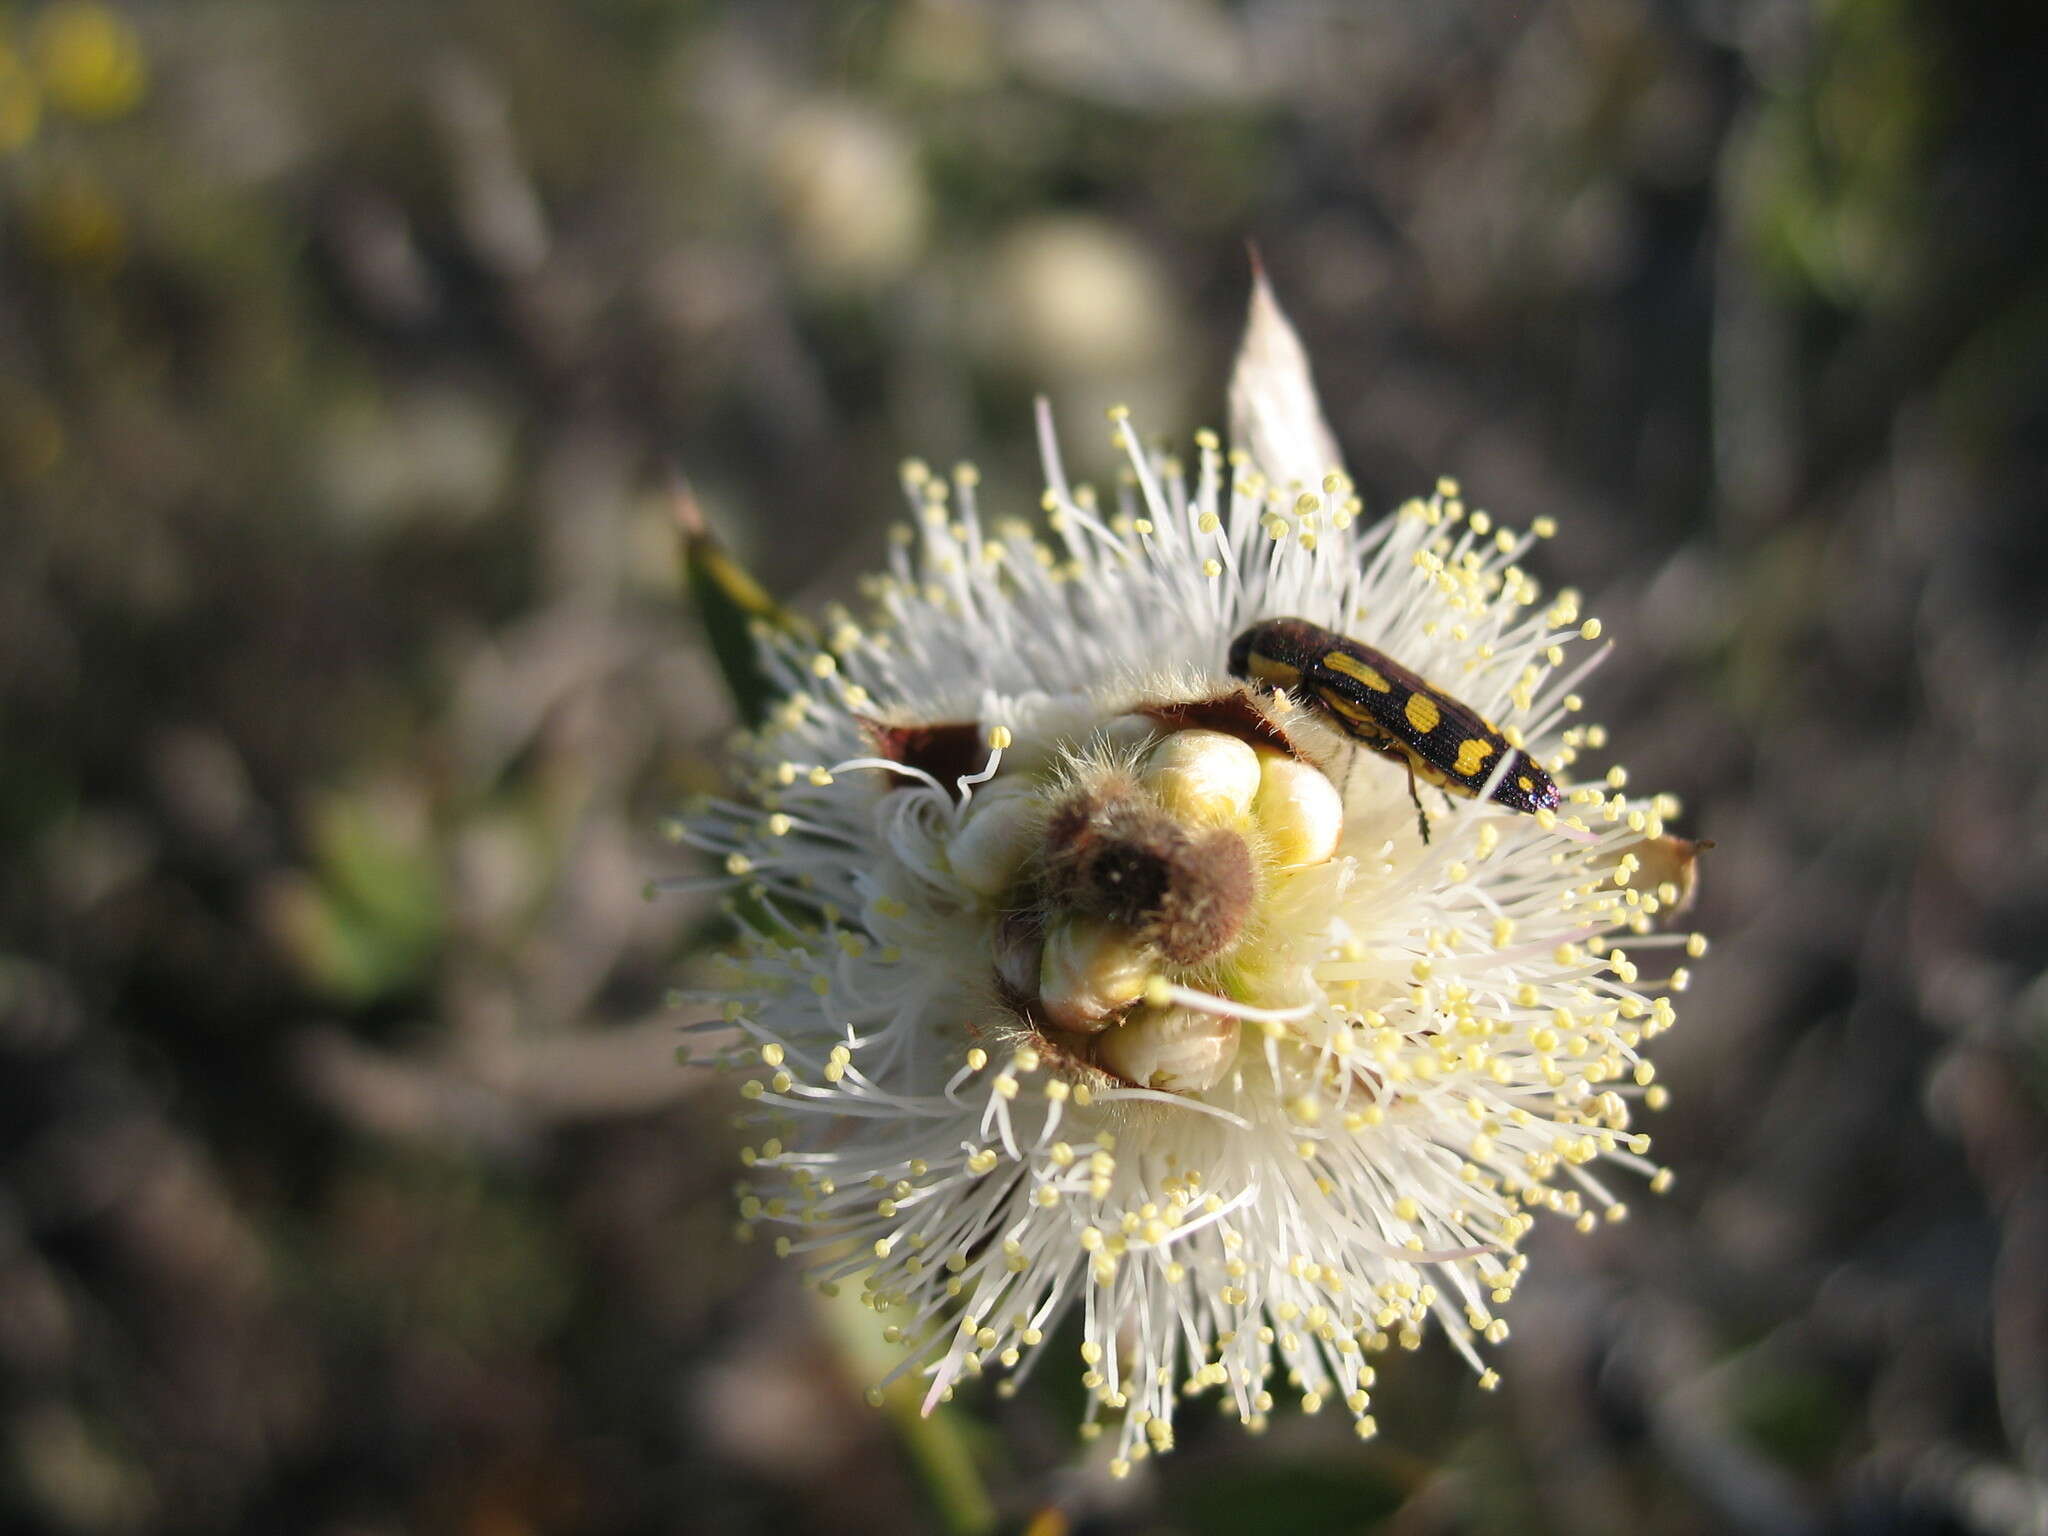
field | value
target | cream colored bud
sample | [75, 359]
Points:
[988, 851]
[1175, 1049]
[1091, 969]
[1300, 809]
[1204, 774]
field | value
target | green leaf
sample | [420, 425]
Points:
[939, 1443]
[732, 605]
[368, 918]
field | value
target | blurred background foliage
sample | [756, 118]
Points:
[347, 1184]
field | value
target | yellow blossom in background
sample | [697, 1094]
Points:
[21, 103]
[75, 222]
[90, 60]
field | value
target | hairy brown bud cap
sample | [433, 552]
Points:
[1126, 861]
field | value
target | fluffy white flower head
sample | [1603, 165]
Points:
[1082, 975]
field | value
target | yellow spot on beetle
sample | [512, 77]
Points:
[1351, 666]
[1471, 753]
[1527, 783]
[1422, 713]
[1270, 669]
[1365, 727]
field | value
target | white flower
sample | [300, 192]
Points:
[1079, 976]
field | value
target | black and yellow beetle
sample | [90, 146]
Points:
[1381, 704]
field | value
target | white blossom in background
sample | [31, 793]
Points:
[1081, 979]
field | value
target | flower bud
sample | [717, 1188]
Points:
[1018, 949]
[990, 848]
[1666, 860]
[1204, 774]
[1125, 860]
[1175, 1049]
[1090, 970]
[1300, 809]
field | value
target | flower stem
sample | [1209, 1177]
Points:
[935, 1443]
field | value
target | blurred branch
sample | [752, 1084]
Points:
[1684, 1391]
[1980, 1095]
[499, 1092]
[1980, 1496]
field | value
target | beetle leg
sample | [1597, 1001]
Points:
[1414, 794]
